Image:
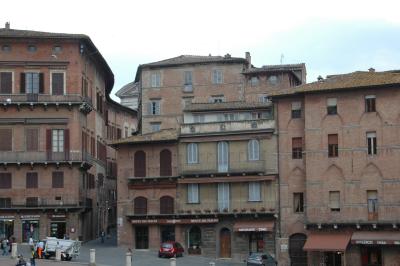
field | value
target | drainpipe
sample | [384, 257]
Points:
[279, 177]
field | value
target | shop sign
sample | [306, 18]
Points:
[176, 221]
[55, 216]
[375, 242]
[72, 230]
[252, 229]
[28, 217]
[7, 217]
[284, 247]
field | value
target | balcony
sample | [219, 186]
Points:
[225, 127]
[46, 100]
[34, 203]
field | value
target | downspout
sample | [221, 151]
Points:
[279, 178]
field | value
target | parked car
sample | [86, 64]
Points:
[170, 249]
[260, 259]
[69, 248]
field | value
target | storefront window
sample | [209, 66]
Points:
[371, 256]
[256, 242]
[167, 233]
[57, 229]
[30, 228]
[6, 228]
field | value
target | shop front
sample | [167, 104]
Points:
[256, 231]
[30, 227]
[58, 225]
[6, 226]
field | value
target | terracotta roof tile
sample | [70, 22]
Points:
[195, 59]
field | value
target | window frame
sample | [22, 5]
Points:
[12, 80]
[372, 143]
[155, 80]
[254, 190]
[334, 201]
[253, 150]
[370, 103]
[155, 126]
[333, 148]
[188, 78]
[155, 107]
[331, 106]
[57, 183]
[296, 109]
[193, 195]
[60, 144]
[34, 182]
[64, 81]
[192, 153]
[300, 208]
[217, 76]
[297, 150]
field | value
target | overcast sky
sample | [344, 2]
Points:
[329, 36]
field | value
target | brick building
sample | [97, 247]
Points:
[54, 94]
[338, 167]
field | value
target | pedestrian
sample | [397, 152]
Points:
[40, 247]
[4, 245]
[102, 234]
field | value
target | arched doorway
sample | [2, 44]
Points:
[165, 163]
[298, 257]
[225, 243]
[194, 246]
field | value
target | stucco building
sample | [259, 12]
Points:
[338, 167]
[54, 94]
[129, 95]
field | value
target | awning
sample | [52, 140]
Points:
[376, 238]
[253, 226]
[327, 241]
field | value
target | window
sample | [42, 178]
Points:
[371, 141]
[264, 99]
[32, 82]
[139, 163]
[273, 80]
[192, 153]
[5, 180]
[140, 205]
[155, 127]
[91, 184]
[5, 139]
[188, 78]
[217, 99]
[254, 81]
[199, 118]
[32, 48]
[218, 77]
[6, 48]
[154, 107]
[99, 103]
[254, 191]
[57, 140]
[223, 196]
[32, 180]
[253, 149]
[57, 49]
[193, 193]
[58, 180]
[32, 202]
[333, 145]
[57, 83]
[126, 130]
[165, 163]
[166, 205]
[156, 80]
[223, 156]
[331, 106]
[334, 201]
[297, 148]
[296, 109]
[6, 82]
[5, 202]
[32, 139]
[298, 202]
[370, 103]
[372, 198]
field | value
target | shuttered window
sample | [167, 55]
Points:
[58, 180]
[296, 109]
[32, 202]
[253, 148]
[333, 146]
[165, 163]
[57, 83]
[5, 139]
[297, 148]
[57, 143]
[31, 180]
[166, 205]
[32, 83]
[140, 164]
[223, 196]
[155, 80]
[32, 139]
[6, 82]
[192, 153]
[5, 180]
[154, 107]
[370, 105]
[193, 193]
[334, 200]
[223, 156]
[140, 205]
[254, 191]
[5, 202]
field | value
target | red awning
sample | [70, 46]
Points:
[253, 226]
[376, 238]
[327, 241]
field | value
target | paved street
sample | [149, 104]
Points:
[108, 254]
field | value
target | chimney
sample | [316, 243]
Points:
[371, 69]
[320, 78]
[7, 25]
[248, 59]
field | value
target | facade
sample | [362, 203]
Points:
[129, 95]
[54, 91]
[338, 154]
[215, 116]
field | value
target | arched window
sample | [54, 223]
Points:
[192, 153]
[165, 163]
[140, 205]
[223, 156]
[166, 205]
[253, 148]
[140, 164]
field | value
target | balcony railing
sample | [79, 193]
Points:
[44, 203]
[206, 207]
[151, 172]
[227, 126]
[41, 156]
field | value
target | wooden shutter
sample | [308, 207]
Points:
[140, 164]
[140, 205]
[165, 163]
[119, 133]
[32, 180]
[58, 179]
[5, 139]
[5, 180]
[41, 82]
[48, 144]
[22, 83]
[166, 205]
[6, 82]
[32, 139]
[57, 83]
[66, 144]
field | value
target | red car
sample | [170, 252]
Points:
[170, 249]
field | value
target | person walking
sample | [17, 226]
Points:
[32, 260]
[4, 245]
[102, 234]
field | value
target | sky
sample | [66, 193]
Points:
[330, 37]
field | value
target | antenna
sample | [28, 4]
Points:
[282, 56]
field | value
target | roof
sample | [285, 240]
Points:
[274, 68]
[324, 241]
[354, 80]
[90, 48]
[225, 106]
[159, 136]
[130, 89]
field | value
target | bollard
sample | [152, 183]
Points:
[172, 262]
[14, 250]
[212, 263]
[128, 259]
[92, 257]
[58, 254]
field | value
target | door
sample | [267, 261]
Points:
[57, 229]
[142, 237]
[223, 196]
[225, 243]
[298, 257]
[167, 233]
[223, 156]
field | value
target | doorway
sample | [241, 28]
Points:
[333, 258]
[298, 257]
[58, 229]
[6, 228]
[30, 229]
[371, 256]
[225, 243]
[256, 242]
[167, 233]
[141, 237]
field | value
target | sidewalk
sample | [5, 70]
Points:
[7, 261]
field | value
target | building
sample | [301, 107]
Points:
[338, 167]
[54, 92]
[129, 95]
[214, 116]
